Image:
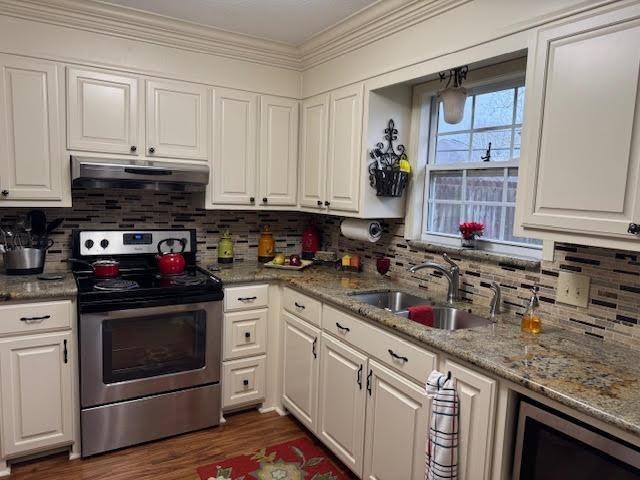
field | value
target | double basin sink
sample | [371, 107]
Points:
[444, 317]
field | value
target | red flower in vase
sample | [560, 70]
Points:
[471, 230]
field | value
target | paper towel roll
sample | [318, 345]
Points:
[363, 230]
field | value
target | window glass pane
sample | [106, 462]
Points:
[494, 109]
[457, 141]
[485, 185]
[516, 154]
[446, 186]
[509, 236]
[465, 124]
[489, 215]
[498, 139]
[517, 137]
[451, 157]
[497, 155]
[512, 184]
[520, 105]
[444, 218]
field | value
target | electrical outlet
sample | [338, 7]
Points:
[573, 289]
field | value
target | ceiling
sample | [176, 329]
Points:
[288, 21]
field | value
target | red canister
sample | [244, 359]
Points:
[310, 242]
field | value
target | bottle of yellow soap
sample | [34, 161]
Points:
[531, 322]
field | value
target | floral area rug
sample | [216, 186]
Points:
[298, 459]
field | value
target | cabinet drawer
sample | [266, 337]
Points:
[35, 317]
[243, 381]
[245, 334]
[247, 297]
[395, 352]
[302, 306]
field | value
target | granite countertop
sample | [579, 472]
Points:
[600, 380]
[30, 287]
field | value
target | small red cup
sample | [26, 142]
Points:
[382, 265]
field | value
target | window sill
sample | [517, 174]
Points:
[519, 262]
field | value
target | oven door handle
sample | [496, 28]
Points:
[135, 313]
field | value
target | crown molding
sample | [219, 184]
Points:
[381, 19]
[151, 28]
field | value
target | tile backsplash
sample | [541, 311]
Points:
[612, 314]
[614, 305]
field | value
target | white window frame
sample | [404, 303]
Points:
[425, 104]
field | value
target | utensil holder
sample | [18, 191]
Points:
[24, 261]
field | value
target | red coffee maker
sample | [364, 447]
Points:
[310, 242]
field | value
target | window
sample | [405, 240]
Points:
[472, 168]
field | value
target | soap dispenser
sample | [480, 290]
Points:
[531, 322]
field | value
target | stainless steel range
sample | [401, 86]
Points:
[150, 345]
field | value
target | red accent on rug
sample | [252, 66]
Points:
[298, 459]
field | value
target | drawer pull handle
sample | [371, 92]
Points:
[246, 299]
[301, 307]
[398, 357]
[313, 347]
[344, 329]
[247, 334]
[360, 377]
[369, 381]
[35, 319]
[245, 382]
[634, 229]
[66, 352]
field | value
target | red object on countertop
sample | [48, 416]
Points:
[421, 314]
[310, 242]
[170, 263]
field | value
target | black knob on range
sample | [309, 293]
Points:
[104, 243]
[133, 148]
[634, 229]
[152, 149]
[89, 244]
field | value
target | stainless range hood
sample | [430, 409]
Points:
[90, 172]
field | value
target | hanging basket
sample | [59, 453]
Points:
[385, 173]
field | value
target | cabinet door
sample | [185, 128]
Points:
[31, 157]
[301, 367]
[342, 401]
[177, 120]
[36, 384]
[234, 153]
[581, 147]
[477, 406]
[397, 424]
[313, 151]
[102, 112]
[278, 170]
[345, 137]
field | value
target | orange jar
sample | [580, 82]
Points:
[266, 246]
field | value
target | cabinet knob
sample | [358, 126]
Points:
[326, 204]
[133, 148]
[633, 229]
[319, 203]
[152, 149]
[265, 199]
[5, 193]
[252, 200]
[247, 334]
[245, 383]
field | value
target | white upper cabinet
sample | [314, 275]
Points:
[177, 120]
[397, 422]
[581, 142]
[278, 169]
[343, 159]
[31, 154]
[234, 159]
[313, 151]
[102, 112]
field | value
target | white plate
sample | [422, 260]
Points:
[305, 264]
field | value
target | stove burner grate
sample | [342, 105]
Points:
[116, 284]
[181, 280]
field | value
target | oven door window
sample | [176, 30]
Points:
[135, 348]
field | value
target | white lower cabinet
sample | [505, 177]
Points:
[477, 413]
[396, 427]
[342, 401]
[36, 379]
[243, 382]
[301, 367]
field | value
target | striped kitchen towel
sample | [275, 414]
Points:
[442, 443]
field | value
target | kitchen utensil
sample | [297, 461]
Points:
[50, 277]
[51, 226]
[38, 221]
[101, 268]
[171, 263]
[24, 261]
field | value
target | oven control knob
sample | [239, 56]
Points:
[104, 243]
[88, 244]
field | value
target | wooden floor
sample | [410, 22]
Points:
[175, 458]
